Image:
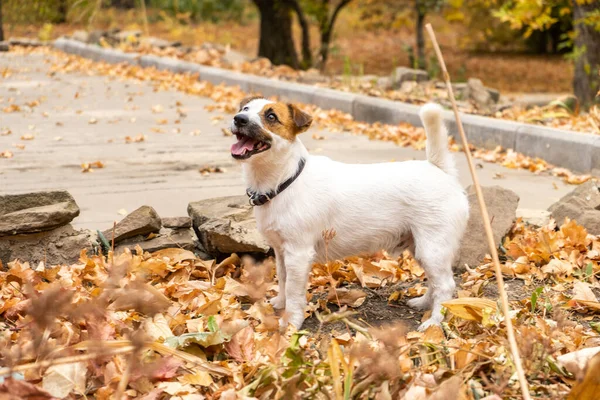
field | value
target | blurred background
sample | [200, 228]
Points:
[516, 47]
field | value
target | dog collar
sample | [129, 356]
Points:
[258, 199]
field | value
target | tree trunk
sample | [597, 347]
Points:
[307, 60]
[276, 40]
[326, 27]
[1, 24]
[62, 10]
[587, 49]
[421, 60]
[123, 4]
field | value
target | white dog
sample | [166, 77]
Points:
[415, 205]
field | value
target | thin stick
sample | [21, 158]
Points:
[63, 360]
[125, 378]
[486, 223]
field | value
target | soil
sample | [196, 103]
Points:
[375, 311]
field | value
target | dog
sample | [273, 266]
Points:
[395, 206]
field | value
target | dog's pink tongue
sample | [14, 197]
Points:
[242, 145]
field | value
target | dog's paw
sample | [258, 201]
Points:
[430, 322]
[278, 302]
[420, 303]
[286, 320]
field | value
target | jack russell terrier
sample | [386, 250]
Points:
[414, 205]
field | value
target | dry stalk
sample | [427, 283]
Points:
[63, 360]
[486, 223]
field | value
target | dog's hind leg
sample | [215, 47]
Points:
[278, 301]
[435, 254]
[298, 261]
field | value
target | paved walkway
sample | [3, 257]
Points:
[82, 119]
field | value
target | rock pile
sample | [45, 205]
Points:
[35, 227]
[502, 207]
[581, 205]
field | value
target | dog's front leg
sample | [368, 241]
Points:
[297, 263]
[278, 301]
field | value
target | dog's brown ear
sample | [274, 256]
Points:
[301, 119]
[248, 100]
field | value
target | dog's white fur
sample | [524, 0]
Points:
[415, 205]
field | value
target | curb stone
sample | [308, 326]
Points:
[577, 151]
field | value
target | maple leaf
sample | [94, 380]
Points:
[61, 380]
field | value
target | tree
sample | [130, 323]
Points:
[586, 82]
[533, 15]
[327, 20]
[276, 39]
[276, 42]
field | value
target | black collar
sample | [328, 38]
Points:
[258, 199]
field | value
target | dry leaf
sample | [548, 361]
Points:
[60, 380]
[470, 308]
[589, 388]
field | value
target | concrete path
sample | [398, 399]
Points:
[82, 119]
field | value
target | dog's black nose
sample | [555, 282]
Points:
[240, 120]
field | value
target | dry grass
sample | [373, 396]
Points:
[365, 52]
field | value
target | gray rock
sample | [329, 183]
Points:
[24, 42]
[582, 205]
[476, 92]
[4, 46]
[494, 93]
[404, 74]
[167, 238]
[95, 36]
[384, 83]
[36, 212]
[233, 57]
[502, 206]
[59, 246]
[123, 36]
[312, 76]
[81, 36]
[159, 43]
[142, 221]
[177, 222]
[226, 225]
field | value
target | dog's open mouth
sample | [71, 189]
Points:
[246, 147]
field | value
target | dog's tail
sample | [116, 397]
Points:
[437, 138]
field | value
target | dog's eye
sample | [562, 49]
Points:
[245, 109]
[272, 117]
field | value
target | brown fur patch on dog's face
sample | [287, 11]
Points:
[285, 120]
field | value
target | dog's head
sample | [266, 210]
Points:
[262, 125]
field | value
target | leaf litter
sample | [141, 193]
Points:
[186, 328]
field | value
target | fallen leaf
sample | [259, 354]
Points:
[60, 380]
[470, 308]
[349, 297]
[589, 387]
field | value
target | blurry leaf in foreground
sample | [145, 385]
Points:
[60, 380]
[589, 388]
[13, 389]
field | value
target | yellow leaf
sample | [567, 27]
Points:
[470, 308]
[201, 378]
[334, 363]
